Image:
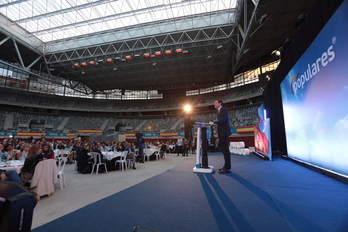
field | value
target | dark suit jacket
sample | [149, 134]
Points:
[223, 123]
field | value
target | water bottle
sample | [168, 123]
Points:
[5, 157]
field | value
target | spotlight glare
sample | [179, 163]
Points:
[187, 108]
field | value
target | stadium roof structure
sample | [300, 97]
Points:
[164, 45]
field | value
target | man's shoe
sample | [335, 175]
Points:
[223, 171]
[221, 168]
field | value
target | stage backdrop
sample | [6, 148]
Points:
[314, 96]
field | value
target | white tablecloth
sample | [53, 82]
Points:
[12, 164]
[58, 152]
[111, 154]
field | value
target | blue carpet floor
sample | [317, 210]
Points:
[257, 196]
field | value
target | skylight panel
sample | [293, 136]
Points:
[69, 18]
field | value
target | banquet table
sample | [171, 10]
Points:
[148, 152]
[111, 154]
[12, 164]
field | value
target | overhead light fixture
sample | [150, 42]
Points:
[114, 69]
[154, 64]
[178, 50]
[76, 65]
[219, 47]
[185, 51]
[209, 57]
[108, 60]
[128, 58]
[84, 64]
[158, 53]
[82, 73]
[168, 52]
[117, 58]
[91, 62]
[147, 55]
[136, 56]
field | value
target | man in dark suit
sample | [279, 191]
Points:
[224, 131]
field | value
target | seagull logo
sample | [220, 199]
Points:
[293, 80]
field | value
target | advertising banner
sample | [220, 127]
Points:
[314, 95]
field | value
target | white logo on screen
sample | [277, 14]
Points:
[300, 80]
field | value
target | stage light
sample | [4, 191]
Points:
[128, 58]
[91, 62]
[109, 60]
[84, 64]
[117, 58]
[219, 47]
[76, 65]
[187, 108]
[147, 55]
[168, 52]
[179, 50]
[185, 51]
[136, 56]
[158, 53]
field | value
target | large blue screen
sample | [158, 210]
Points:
[315, 98]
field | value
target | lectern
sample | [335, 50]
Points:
[202, 139]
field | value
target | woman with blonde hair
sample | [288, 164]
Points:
[23, 152]
[33, 158]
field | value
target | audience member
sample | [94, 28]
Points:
[82, 158]
[47, 152]
[12, 154]
[23, 152]
[33, 158]
[131, 153]
[94, 148]
[10, 175]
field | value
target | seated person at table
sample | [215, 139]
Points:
[24, 150]
[131, 153]
[103, 147]
[94, 148]
[10, 175]
[60, 146]
[47, 152]
[12, 154]
[82, 158]
[1, 149]
[33, 158]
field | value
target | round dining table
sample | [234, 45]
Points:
[12, 164]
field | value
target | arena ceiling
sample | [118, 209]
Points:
[209, 40]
